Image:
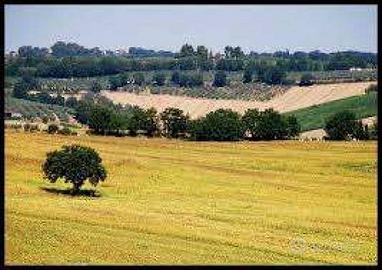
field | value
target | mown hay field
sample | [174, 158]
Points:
[293, 99]
[177, 202]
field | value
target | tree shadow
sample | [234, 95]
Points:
[69, 192]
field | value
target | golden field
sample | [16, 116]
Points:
[177, 202]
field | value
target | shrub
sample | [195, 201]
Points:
[65, 131]
[159, 78]
[27, 126]
[52, 128]
[45, 119]
[371, 88]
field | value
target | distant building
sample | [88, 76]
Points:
[355, 69]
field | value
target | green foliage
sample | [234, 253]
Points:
[96, 87]
[25, 85]
[74, 164]
[314, 117]
[65, 131]
[341, 125]
[71, 102]
[175, 123]
[52, 128]
[186, 50]
[371, 88]
[190, 80]
[31, 109]
[159, 78]
[361, 132]
[294, 127]
[307, 77]
[139, 78]
[220, 79]
[220, 125]
[100, 119]
[251, 119]
[270, 125]
[247, 76]
[272, 75]
[175, 77]
[138, 120]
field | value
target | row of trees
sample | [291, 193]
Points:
[72, 60]
[106, 118]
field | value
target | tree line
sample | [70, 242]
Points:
[72, 60]
[105, 118]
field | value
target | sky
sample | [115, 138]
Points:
[260, 28]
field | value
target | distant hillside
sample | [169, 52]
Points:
[314, 117]
[35, 109]
[293, 99]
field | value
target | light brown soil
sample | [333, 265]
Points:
[293, 99]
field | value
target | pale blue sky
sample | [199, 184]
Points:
[253, 27]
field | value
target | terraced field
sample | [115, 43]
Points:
[177, 202]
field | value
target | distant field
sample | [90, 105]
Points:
[177, 202]
[35, 109]
[314, 117]
[294, 99]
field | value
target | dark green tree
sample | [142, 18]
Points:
[100, 119]
[271, 126]
[247, 76]
[293, 126]
[151, 122]
[220, 125]
[74, 164]
[96, 86]
[139, 78]
[159, 78]
[175, 77]
[220, 79]
[186, 50]
[175, 123]
[251, 119]
[26, 84]
[341, 125]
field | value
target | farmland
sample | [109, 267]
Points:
[177, 202]
[293, 99]
[35, 109]
[314, 117]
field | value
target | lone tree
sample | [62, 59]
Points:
[74, 164]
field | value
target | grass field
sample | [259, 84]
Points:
[176, 202]
[314, 117]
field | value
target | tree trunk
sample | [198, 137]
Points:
[76, 188]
